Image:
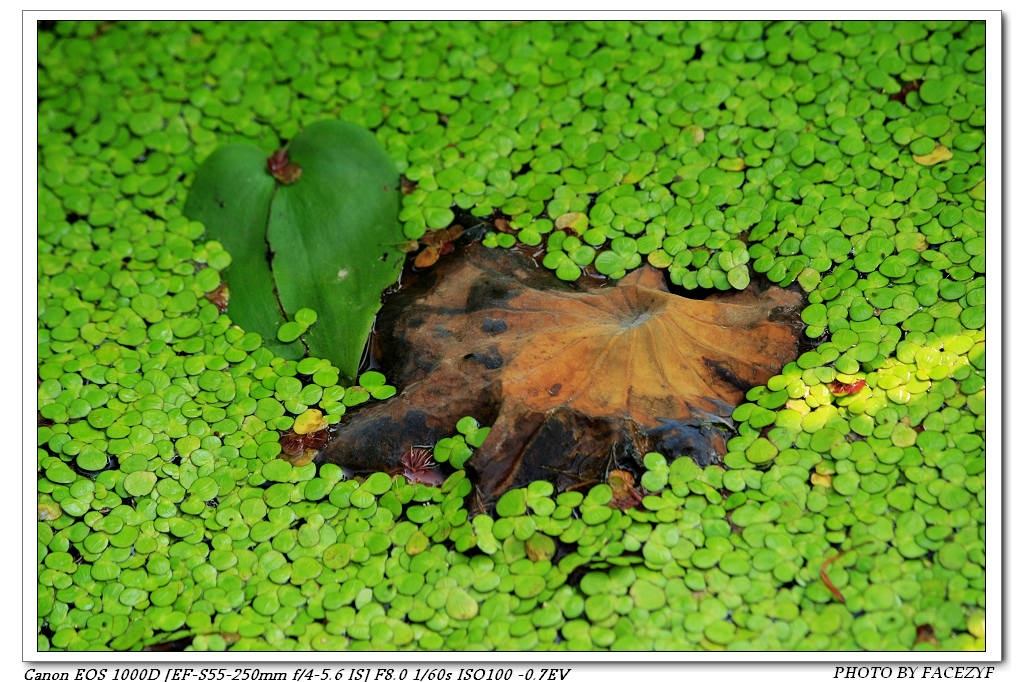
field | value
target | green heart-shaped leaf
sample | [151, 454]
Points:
[332, 236]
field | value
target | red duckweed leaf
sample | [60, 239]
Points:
[839, 388]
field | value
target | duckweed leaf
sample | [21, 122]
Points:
[843, 159]
[309, 421]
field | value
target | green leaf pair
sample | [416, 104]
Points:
[328, 241]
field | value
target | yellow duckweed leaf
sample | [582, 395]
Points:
[937, 155]
[978, 191]
[309, 421]
[577, 222]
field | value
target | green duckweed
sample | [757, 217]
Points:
[845, 159]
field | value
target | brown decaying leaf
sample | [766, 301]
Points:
[440, 237]
[624, 494]
[300, 449]
[620, 481]
[290, 174]
[926, 635]
[219, 296]
[562, 375]
[436, 243]
[427, 257]
[301, 459]
[905, 89]
[277, 161]
[282, 169]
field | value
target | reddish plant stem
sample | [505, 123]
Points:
[824, 575]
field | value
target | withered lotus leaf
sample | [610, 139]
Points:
[575, 380]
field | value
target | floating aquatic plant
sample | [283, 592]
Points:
[845, 159]
[311, 227]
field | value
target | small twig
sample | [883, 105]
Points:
[579, 485]
[824, 575]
